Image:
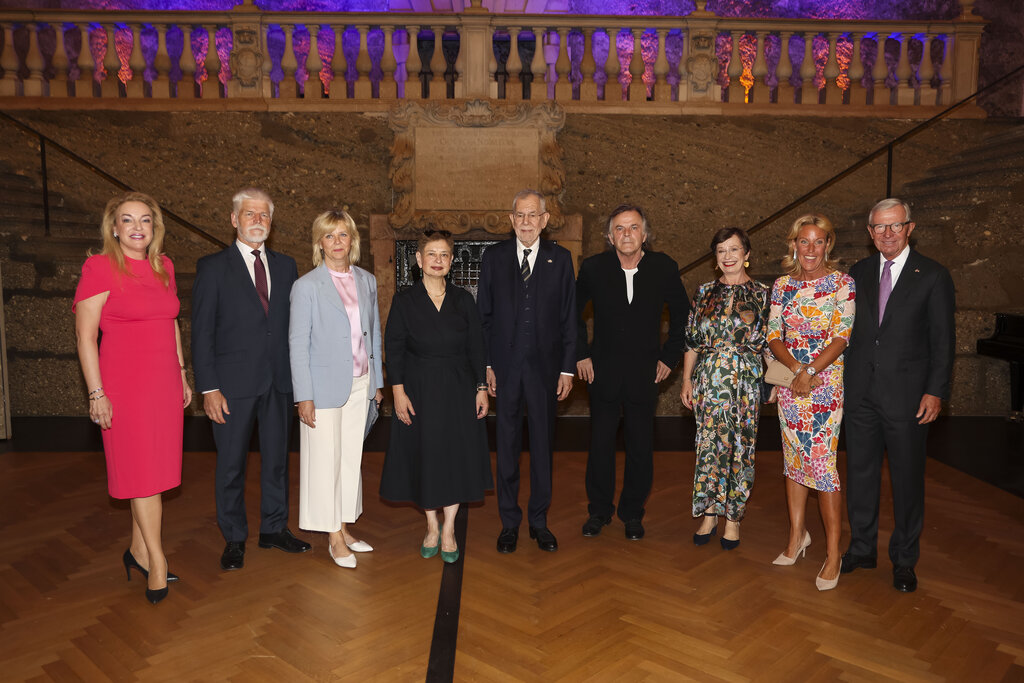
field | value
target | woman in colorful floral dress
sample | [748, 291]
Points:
[809, 327]
[722, 368]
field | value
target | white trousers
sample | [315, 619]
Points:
[330, 457]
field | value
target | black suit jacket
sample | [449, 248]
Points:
[236, 347]
[913, 347]
[498, 298]
[627, 344]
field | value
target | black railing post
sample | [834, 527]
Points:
[46, 186]
[888, 170]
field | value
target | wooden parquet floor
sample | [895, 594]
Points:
[600, 609]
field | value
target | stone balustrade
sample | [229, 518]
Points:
[249, 59]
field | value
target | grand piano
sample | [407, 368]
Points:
[1008, 343]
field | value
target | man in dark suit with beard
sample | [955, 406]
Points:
[898, 368]
[527, 305]
[240, 313]
[629, 287]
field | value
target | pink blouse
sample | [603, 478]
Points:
[345, 283]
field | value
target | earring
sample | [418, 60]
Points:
[115, 235]
[746, 264]
[794, 254]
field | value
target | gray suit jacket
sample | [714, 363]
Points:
[320, 338]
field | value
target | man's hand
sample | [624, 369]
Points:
[492, 383]
[661, 372]
[216, 406]
[564, 386]
[585, 369]
[929, 409]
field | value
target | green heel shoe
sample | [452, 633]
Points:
[450, 557]
[427, 552]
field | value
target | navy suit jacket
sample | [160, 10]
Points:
[236, 347]
[498, 297]
[913, 347]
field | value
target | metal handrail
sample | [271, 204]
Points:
[44, 141]
[884, 149]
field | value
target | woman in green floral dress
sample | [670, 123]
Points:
[722, 368]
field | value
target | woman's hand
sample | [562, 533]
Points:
[101, 412]
[403, 406]
[773, 396]
[186, 391]
[378, 398]
[307, 414]
[803, 384]
[686, 393]
[481, 404]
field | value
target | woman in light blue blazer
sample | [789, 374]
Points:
[335, 347]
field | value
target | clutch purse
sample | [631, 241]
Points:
[778, 374]
[372, 412]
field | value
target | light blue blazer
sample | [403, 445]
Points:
[320, 338]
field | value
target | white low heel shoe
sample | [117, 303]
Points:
[348, 562]
[360, 547]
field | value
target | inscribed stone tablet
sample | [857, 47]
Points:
[474, 169]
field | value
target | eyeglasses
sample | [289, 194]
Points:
[524, 217]
[896, 228]
[430, 232]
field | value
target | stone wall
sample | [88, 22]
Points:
[694, 175]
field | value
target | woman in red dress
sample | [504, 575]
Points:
[136, 375]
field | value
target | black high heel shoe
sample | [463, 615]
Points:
[130, 564]
[702, 539]
[157, 595]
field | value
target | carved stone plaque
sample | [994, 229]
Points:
[457, 166]
[474, 169]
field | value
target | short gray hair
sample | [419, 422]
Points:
[523, 194]
[251, 193]
[890, 203]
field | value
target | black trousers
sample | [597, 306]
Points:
[272, 414]
[637, 412]
[524, 388]
[871, 433]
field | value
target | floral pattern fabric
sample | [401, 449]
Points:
[727, 328]
[807, 316]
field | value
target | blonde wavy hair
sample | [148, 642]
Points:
[328, 222]
[112, 247]
[790, 264]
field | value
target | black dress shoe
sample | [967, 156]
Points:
[851, 562]
[545, 539]
[130, 563]
[634, 530]
[592, 527]
[507, 539]
[233, 556]
[285, 541]
[904, 579]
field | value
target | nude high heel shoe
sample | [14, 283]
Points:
[825, 584]
[784, 560]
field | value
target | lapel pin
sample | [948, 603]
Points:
[549, 260]
[917, 270]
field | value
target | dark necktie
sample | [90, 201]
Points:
[884, 289]
[524, 269]
[260, 271]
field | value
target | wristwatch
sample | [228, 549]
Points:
[811, 372]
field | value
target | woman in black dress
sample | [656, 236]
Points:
[438, 455]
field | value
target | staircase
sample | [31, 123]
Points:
[40, 273]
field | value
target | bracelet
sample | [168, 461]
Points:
[481, 387]
[96, 398]
[96, 391]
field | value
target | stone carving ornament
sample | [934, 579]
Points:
[246, 59]
[548, 118]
